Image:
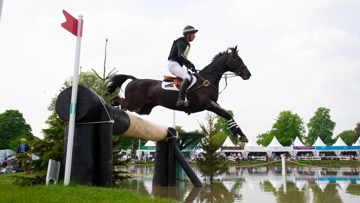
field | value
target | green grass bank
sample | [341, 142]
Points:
[11, 193]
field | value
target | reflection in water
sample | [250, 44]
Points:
[300, 184]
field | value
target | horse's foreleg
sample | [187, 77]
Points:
[235, 129]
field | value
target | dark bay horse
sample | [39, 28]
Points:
[142, 95]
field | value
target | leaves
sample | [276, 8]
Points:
[287, 127]
[13, 127]
[212, 164]
[320, 125]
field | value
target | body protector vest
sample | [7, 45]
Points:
[179, 51]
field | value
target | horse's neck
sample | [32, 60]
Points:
[214, 71]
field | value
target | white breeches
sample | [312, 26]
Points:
[175, 68]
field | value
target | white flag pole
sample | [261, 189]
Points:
[1, 4]
[73, 104]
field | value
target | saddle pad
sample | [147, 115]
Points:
[171, 86]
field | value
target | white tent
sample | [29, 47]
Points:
[228, 146]
[275, 146]
[150, 143]
[251, 143]
[319, 142]
[274, 143]
[149, 147]
[228, 143]
[339, 143]
[252, 146]
[357, 143]
[297, 142]
[298, 146]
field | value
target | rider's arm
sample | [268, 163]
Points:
[183, 51]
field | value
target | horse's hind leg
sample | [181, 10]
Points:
[117, 101]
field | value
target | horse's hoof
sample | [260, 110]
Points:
[244, 139]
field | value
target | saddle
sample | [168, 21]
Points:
[176, 80]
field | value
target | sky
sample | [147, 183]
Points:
[302, 54]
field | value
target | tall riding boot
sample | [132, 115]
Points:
[184, 85]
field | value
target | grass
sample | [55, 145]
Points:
[73, 193]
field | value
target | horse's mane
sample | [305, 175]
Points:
[232, 49]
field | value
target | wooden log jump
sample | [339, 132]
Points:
[97, 122]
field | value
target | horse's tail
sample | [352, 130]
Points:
[116, 81]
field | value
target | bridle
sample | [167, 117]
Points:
[206, 83]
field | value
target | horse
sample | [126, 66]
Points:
[142, 95]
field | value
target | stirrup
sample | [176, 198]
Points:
[179, 103]
[182, 103]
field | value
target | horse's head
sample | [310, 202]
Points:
[236, 65]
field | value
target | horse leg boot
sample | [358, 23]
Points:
[181, 100]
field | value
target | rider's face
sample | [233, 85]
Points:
[191, 37]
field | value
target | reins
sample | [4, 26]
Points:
[207, 83]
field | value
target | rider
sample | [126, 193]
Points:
[178, 57]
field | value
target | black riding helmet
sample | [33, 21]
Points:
[189, 29]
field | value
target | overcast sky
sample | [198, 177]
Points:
[302, 54]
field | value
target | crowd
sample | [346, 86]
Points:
[9, 168]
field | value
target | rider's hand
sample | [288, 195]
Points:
[192, 67]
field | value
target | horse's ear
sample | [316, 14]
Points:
[236, 49]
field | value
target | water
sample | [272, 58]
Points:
[257, 184]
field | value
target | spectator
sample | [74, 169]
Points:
[9, 168]
[23, 147]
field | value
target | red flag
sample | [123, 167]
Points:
[71, 24]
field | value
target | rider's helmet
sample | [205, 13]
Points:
[189, 29]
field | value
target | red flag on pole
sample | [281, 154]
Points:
[71, 24]
[74, 26]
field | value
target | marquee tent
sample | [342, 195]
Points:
[339, 142]
[228, 146]
[275, 146]
[298, 146]
[297, 142]
[339, 147]
[318, 142]
[252, 146]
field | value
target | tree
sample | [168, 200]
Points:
[222, 123]
[212, 164]
[348, 136]
[264, 139]
[13, 126]
[287, 127]
[179, 129]
[128, 143]
[357, 130]
[320, 125]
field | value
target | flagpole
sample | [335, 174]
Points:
[70, 141]
[1, 5]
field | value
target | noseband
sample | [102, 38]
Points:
[232, 58]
